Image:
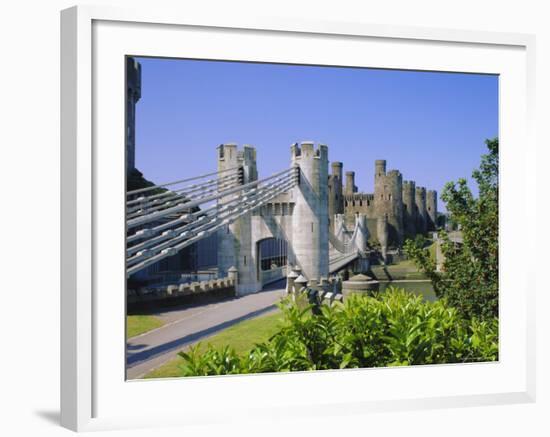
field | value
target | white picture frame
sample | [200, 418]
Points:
[91, 388]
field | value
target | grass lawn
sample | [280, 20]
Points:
[136, 325]
[242, 337]
[405, 269]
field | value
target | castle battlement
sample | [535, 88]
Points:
[394, 173]
[308, 149]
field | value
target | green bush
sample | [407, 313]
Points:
[393, 328]
[469, 275]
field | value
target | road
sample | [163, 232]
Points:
[185, 326]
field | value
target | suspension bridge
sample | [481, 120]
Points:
[243, 210]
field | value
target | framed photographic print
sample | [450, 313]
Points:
[281, 218]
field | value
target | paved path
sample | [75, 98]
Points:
[188, 325]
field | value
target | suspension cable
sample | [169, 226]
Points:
[182, 191]
[188, 205]
[143, 190]
[204, 225]
[166, 250]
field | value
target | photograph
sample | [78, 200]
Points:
[293, 218]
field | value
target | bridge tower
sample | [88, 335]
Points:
[235, 246]
[310, 218]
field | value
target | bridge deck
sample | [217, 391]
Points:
[341, 261]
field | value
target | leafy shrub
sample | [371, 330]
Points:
[469, 275]
[393, 328]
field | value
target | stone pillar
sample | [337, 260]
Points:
[290, 279]
[233, 275]
[310, 217]
[300, 283]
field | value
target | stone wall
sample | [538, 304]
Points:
[178, 294]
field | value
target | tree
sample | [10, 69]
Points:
[469, 275]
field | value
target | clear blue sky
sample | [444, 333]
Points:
[430, 126]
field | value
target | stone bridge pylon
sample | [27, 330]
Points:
[298, 216]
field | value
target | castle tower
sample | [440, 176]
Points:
[350, 183]
[133, 94]
[235, 247]
[335, 199]
[379, 168]
[388, 200]
[422, 216]
[431, 209]
[310, 217]
[409, 208]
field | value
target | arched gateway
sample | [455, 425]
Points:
[298, 216]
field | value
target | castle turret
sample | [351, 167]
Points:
[335, 186]
[133, 90]
[409, 208]
[350, 183]
[235, 240]
[422, 217]
[310, 217]
[388, 200]
[431, 209]
[337, 170]
[379, 168]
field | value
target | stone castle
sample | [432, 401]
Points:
[396, 210]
